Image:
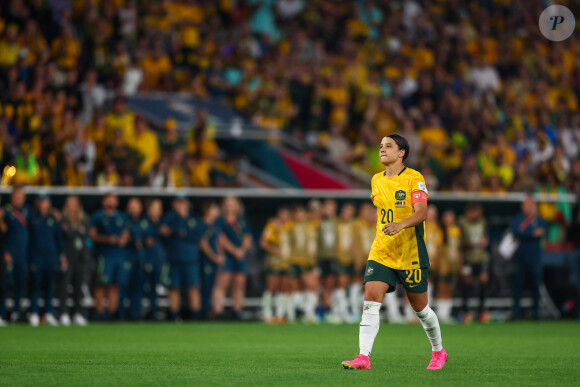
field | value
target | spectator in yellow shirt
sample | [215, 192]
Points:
[156, 68]
[9, 47]
[146, 143]
[120, 117]
[66, 49]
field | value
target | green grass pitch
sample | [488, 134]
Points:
[255, 354]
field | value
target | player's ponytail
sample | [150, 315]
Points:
[401, 142]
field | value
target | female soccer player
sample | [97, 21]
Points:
[398, 253]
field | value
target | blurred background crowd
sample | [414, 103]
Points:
[146, 259]
[487, 103]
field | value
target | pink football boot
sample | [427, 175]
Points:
[360, 362]
[438, 359]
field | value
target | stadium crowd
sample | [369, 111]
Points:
[486, 102]
[115, 265]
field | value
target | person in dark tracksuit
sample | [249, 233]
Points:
[137, 224]
[14, 226]
[211, 257]
[110, 235]
[154, 255]
[46, 257]
[529, 229]
[236, 239]
[75, 231]
[183, 232]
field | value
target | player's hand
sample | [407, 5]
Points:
[220, 259]
[538, 232]
[240, 254]
[113, 240]
[149, 242]
[56, 214]
[7, 258]
[392, 228]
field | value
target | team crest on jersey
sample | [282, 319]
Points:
[400, 195]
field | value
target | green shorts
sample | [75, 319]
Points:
[278, 272]
[414, 281]
[297, 270]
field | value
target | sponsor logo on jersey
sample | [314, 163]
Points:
[400, 195]
[370, 270]
[422, 186]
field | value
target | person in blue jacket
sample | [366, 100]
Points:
[529, 229]
[14, 225]
[154, 255]
[110, 233]
[46, 257]
[236, 240]
[183, 232]
[212, 255]
[138, 224]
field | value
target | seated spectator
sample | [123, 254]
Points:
[156, 68]
[9, 47]
[119, 117]
[109, 177]
[171, 140]
[83, 153]
[66, 49]
[125, 158]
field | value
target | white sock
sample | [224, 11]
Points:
[299, 300]
[355, 298]
[444, 309]
[310, 304]
[369, 327]
[430, 324]
[267, 305]
[342, 303]
[280, 300]
[291, 307]
[334, 302]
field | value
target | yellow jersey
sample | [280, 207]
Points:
[364, 238]
[451, 257]
[279, 236]
[345, 232]
[299, 242]
[394, 198]
[434, 243]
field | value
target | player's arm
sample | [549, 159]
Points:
[102, 239]
[207, 250]
[419, 216]
[227, 244]
[265, 241]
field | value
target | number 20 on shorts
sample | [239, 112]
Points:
[389, 215]
[413, 276]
